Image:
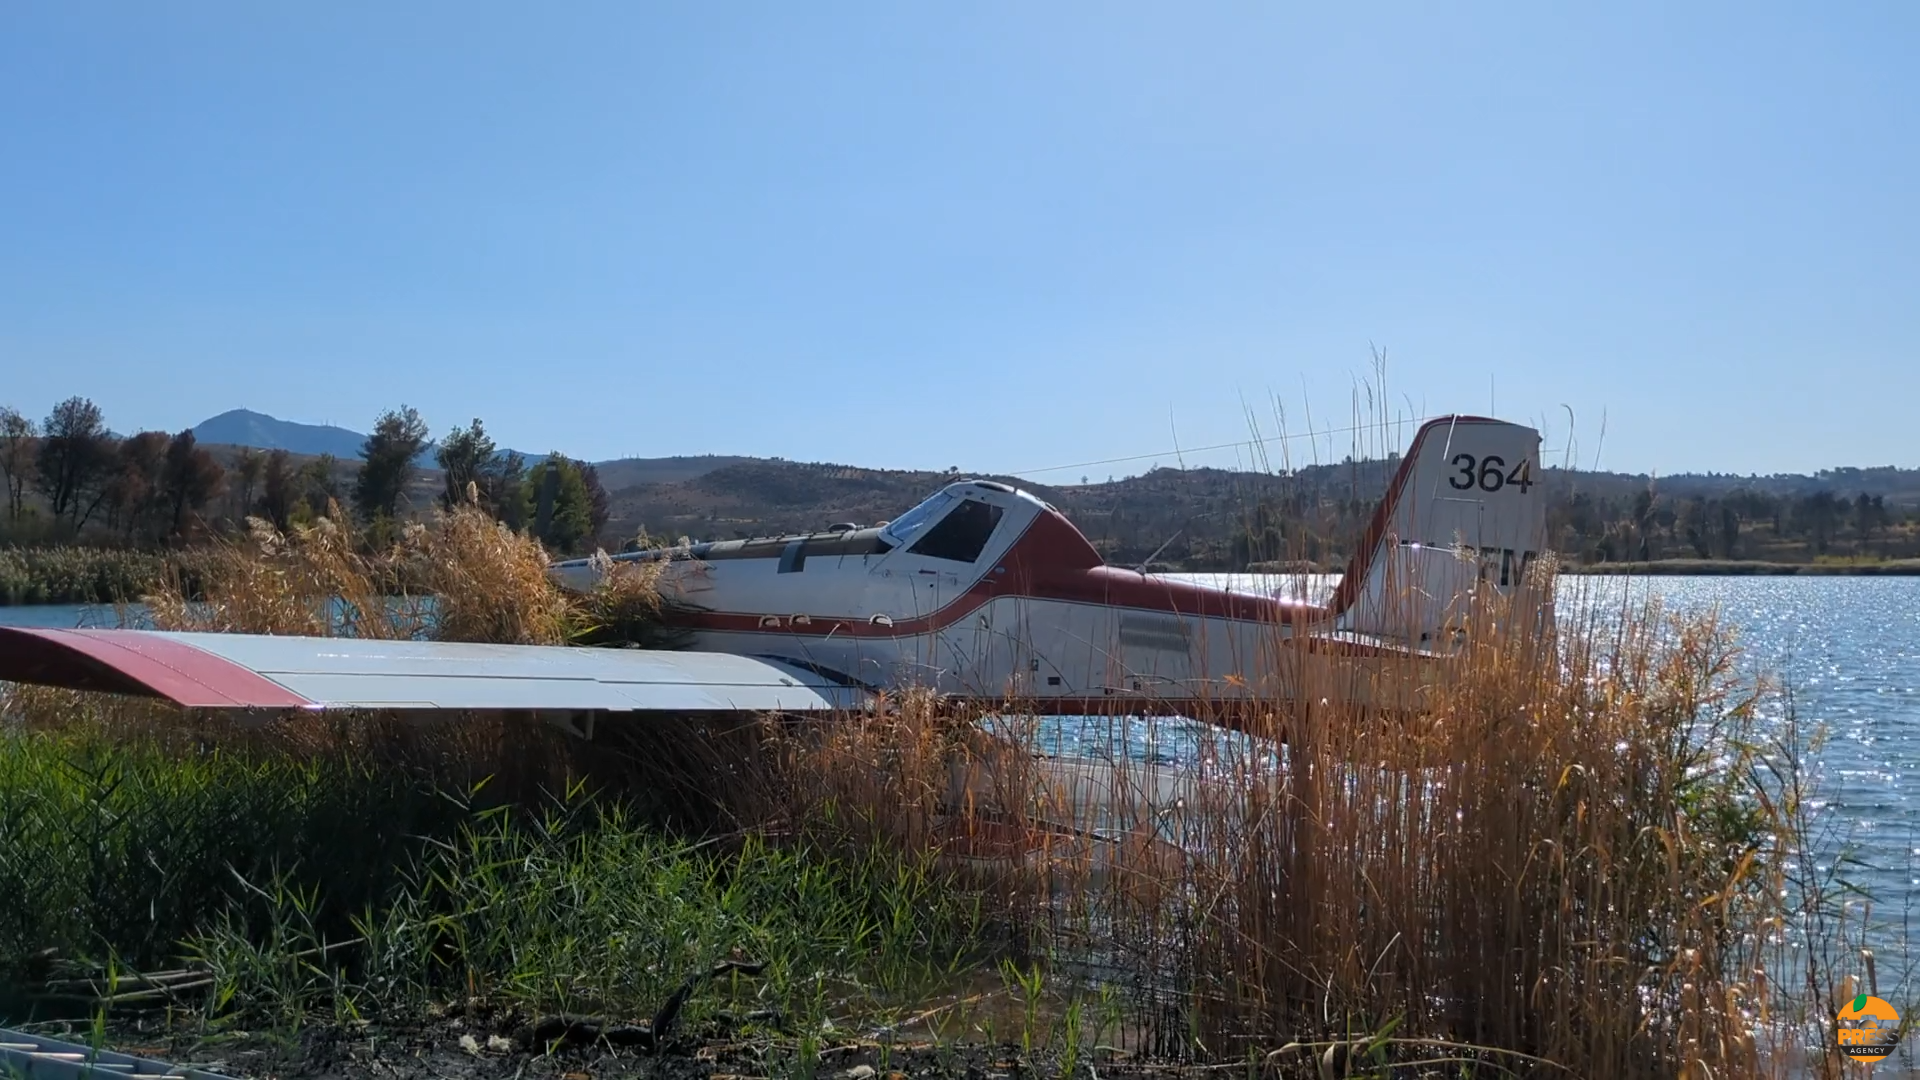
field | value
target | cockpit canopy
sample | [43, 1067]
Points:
[955, 523]
[902, 528]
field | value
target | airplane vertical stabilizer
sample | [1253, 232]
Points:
[1465, 510]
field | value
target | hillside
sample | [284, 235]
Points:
[1210, 519]
[1205, 519]
[629, 472]
[1196, 513]
[244, 427]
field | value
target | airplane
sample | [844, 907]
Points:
[983, 593]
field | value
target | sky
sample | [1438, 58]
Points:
[1055, 239]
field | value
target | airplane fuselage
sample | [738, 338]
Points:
[1016, 604]
[986, 592]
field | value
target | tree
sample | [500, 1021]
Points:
[1869, 515]
[247, 466]
[464, 456]
[317, 485]
[599, 504]
[387, 456]
[504, 487]
[1816, 516]
[133, 493]
[469, 456]
[278, 490]
[1698, 526]
[17, 445]
[563, 516]
[75, 459]
[191, 479]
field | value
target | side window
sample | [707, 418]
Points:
[962, 534]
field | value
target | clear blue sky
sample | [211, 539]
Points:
[998, 235]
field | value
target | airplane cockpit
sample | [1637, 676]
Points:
[956, 523]
[901, 529]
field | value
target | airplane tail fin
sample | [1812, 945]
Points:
[1466, 510]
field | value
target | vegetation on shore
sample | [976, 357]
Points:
[78, 575]
[68, 480]
[1593, 867]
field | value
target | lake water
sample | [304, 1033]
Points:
[1848, 647]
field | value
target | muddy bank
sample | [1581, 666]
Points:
[510, 1045]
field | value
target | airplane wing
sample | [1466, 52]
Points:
[261, 672]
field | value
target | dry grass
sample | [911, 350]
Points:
[462, 577]
[1579, 851]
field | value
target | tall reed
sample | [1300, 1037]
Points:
[1579, 849]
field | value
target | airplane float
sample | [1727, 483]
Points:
[982, 593]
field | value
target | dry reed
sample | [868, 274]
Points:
[1573, 858]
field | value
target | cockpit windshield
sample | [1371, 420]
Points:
[903, 527]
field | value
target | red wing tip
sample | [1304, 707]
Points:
[140, 662]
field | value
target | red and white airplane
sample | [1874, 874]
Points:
[982, 592]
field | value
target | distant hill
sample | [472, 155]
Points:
[1179, 517]
[1211, 519]
[244, 427]
[1217, 518]
[629, 472]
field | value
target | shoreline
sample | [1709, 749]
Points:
[106, 578]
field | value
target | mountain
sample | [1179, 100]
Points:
[244, 427]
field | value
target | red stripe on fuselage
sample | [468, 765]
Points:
[137, 662]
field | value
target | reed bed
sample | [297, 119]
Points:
[460, 577]
[1576, 852]
[1582, 853]
[77, 575]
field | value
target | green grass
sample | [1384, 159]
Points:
[123, 851]
[290, 889]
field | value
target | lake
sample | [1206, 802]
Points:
[1847, 647]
